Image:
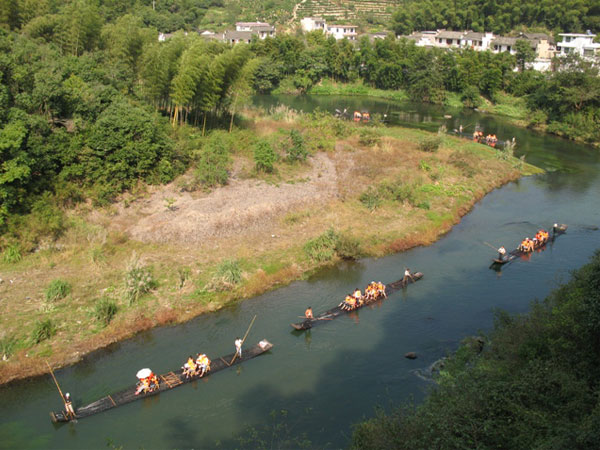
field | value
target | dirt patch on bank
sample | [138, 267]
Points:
[243, 205]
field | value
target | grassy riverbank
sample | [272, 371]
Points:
[165, 254]
[504, 104]
[534, 385]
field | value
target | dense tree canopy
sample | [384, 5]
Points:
[573, 16]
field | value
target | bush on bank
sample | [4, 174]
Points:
[536, 386]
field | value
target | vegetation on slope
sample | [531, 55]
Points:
[535, 385]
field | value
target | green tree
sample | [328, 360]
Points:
[524, 53]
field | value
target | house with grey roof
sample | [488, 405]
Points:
[448, 39]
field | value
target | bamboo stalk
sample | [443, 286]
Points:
[244, 339]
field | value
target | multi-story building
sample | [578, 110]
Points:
[579, 44]
[309, 24]
[342, 31]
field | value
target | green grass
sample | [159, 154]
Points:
[509, 106]
[58, 289]
[327, 87]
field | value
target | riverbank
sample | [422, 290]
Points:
[194, 251]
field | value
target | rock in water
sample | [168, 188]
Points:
[410, 355]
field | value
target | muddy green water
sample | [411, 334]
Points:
[320, 382]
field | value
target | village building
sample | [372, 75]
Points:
[476, 41]
[237, 37]
[422, 38]
[449, 39]
[582, 45]
[309, 24]
[342, 31]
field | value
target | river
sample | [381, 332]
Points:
[319, 382]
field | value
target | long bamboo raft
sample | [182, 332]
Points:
[338, 311]
[167, 382]
[556, 231]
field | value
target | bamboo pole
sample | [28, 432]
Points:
[244, 339]
[59, 391]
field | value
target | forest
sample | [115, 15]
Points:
[92, 103]
[500, 17]
[534, 384]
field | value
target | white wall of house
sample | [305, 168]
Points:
[579, 44]
[342, 31]
[309, 24]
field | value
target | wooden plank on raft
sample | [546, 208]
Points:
[111, 399]
[225, 362]
[166, 381]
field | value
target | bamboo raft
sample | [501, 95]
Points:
[167, 382]
[556, 231]
[338, 311]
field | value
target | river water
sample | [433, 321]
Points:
[319, 382]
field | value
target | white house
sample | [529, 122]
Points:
[342, 31]
[448, 39]
[579, 44]
[261, 29]
[248, 26]
[309, 24]
[422, 38]
[476, 41]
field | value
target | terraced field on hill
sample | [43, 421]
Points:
[348, 9]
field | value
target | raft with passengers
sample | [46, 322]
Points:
[529, 245]
[150, 384]
[373, 292]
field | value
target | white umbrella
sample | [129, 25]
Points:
[144, 373]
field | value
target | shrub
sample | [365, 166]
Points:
[213, 162]
[7, 346]
[297, 151]
[184, 274]
[46, 218]
[227, 276]
[104, 310]
[348, 247]
[537, 118]
[371, 198]
[43, 330]
[368, 136]
[138, 280]
[12, 254]
[264, 156]
[470, 97]
[57, 290]
[430, 144]
[322, 248]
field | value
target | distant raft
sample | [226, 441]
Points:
[557, 230]
[167, 382]
[338, 310]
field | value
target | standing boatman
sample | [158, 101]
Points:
[407, 275]
[69, 405]
[501, 253]
[238, 347]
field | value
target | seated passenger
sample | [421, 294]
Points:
[349, 303]
[357, 294]
[189, 368]
[381, 289]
